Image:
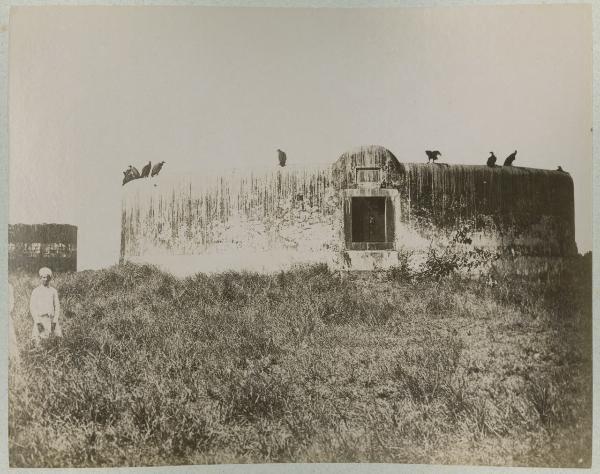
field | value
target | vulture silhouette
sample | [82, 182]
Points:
[510, 158]
[157, 167]
[282, 157]
[491, 161]
[130, 174]
[432, 155]
[146, 170]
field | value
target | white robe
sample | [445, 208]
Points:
[44, 307]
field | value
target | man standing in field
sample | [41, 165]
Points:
[45, 308]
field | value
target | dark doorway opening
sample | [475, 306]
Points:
[368, 219]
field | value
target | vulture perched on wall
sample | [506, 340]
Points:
[157, 167]
[432, 155]
[510, 158]
[282, 157]
[146, 170]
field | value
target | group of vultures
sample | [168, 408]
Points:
[132, 173]
[491, 161]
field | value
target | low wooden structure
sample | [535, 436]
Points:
[32, 246]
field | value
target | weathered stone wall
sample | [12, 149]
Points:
[518, 210]
[259, 219]
[521, 211]
[269, 219]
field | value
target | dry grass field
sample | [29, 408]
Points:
[303, 366]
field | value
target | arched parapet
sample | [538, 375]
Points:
[365, 166]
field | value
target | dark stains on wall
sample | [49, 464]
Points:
[312, 212]
[531, 211]
[257, 208]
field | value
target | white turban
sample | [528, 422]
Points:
[45, 271]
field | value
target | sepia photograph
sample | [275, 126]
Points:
[251, 235]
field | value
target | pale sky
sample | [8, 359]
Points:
[93, 89]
